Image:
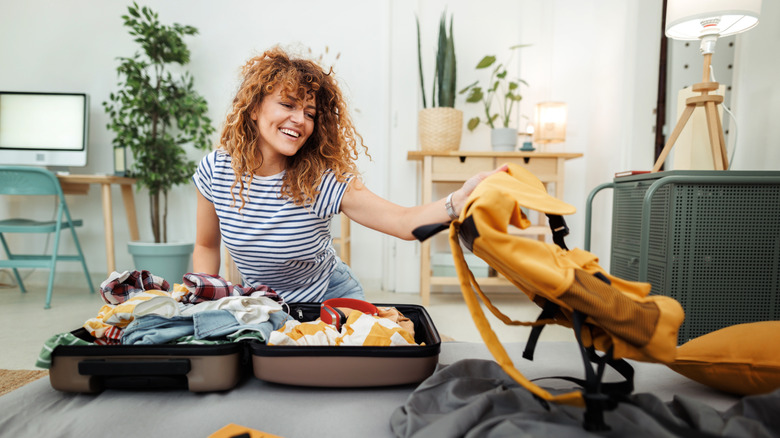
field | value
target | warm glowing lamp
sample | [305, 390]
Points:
[706, 20]
[550, 122]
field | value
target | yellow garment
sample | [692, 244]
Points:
[234, 430]
[397, 317]
[304, 333]
[360, 329]
[369, 330]
[119, 315]
[621, 315]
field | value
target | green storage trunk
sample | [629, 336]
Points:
[710, 239]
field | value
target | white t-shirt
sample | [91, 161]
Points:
[274, 242]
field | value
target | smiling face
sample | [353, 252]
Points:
[284, 124]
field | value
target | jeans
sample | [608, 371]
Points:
[343, 284]
[155, 329]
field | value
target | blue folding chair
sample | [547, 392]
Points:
[33, 181]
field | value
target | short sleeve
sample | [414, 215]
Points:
[204, 174]
[328, 202]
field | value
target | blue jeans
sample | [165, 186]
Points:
[209, 324]
[343, 284]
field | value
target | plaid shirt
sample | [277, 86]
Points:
[118, 288]
[205, 287]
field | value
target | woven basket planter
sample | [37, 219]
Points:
[440, 128]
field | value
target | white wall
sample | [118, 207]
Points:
[756, 98]
[599, 56]
[48, 45]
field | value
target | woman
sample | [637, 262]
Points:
[285, 166]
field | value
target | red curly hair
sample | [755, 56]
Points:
[333, 145]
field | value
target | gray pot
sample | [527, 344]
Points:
[503, 139]
[167, 260]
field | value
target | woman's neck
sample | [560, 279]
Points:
[271, 168]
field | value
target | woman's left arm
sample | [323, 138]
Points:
[364, 207]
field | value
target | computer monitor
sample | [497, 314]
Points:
[44, 129]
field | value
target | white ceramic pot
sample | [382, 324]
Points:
[503, 139]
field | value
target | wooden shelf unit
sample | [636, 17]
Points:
[457, 167]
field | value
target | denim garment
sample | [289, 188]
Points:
[343, 284]
[220, 323]
[155, 329]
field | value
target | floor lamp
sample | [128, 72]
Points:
[706, 20]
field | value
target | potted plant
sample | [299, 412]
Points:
[440, 125]
[504, 91]
[156, 114]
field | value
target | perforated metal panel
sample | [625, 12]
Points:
[715, 246]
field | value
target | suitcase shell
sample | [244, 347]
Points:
[350, 366]
[93, 368]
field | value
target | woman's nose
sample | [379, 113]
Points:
[297, 116]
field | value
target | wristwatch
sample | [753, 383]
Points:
[450, 210]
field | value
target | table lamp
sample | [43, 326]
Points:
[550, 122]
[706, 20]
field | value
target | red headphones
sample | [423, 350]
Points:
[331, 314]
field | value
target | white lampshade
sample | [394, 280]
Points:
[550, 122]
[692, 19]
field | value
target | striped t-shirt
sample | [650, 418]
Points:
[274, 242]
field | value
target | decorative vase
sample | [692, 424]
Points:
[440, 128]
[167, 260]
[503, 139]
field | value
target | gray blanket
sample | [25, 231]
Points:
[476, 398]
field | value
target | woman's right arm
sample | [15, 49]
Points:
[205, 257]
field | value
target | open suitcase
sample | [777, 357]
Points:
[205, 368]
[93, 368]
[350, 366]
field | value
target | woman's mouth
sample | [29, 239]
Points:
[289, 132]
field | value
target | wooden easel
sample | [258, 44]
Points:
[709, 102]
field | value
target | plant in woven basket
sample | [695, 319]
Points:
[440, 125]
[499, 88]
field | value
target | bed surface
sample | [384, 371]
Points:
[38, 410]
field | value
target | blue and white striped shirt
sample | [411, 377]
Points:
[274, 242]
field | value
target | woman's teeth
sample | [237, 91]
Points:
[290, 132]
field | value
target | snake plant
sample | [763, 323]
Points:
[444, 88]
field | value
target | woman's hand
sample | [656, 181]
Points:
[459, 196]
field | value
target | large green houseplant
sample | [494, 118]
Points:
[500, 89]
[157, 114]
[440, 125]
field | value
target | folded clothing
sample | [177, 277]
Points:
[359, 329]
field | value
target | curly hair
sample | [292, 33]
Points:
[333, 145]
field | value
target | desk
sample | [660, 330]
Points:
[458, 166]
[79, 185]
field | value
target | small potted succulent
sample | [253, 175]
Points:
[500, 89]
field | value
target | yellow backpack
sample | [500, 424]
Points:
[607, 313]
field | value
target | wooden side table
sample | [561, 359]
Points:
[458, 166]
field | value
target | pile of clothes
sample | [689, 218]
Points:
[143, 309]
